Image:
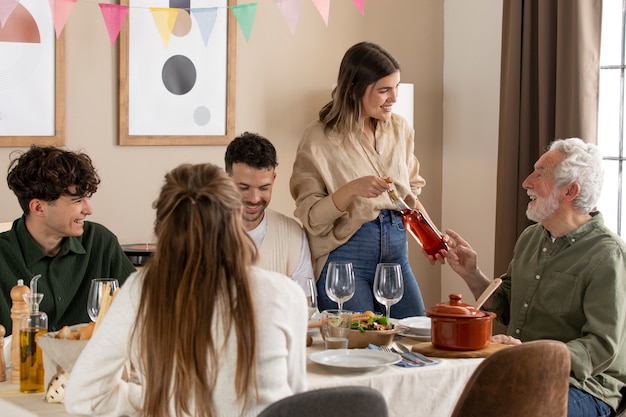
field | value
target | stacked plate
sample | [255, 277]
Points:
[415, 327]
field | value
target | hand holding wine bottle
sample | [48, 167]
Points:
[420, 227]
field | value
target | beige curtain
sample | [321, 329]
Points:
[548, 90]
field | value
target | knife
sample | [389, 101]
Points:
[423, 357]
[412, 359]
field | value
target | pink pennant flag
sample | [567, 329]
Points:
[114, 16]
[360, 4]
[290, 10]
[6, 8]
[323, 7]
[61, 10]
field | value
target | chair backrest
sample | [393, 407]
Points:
[530, 379]
[350, 401]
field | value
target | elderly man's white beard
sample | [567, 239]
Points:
[542, 208]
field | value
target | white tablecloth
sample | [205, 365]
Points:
[429, 391]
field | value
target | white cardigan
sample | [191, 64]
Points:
[95, 386]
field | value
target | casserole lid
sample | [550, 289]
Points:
[455, 308]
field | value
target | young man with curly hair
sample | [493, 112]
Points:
[52, 238]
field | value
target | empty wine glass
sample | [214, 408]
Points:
[311, 296]
[388, 285]
[95, 294]
[340, 284]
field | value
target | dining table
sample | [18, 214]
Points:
[424, 391]
[428, 391]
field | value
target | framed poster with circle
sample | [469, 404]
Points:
[177, 73]
[32, 77]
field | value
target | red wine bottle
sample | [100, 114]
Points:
[418, 225]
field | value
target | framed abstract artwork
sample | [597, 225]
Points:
[32, 77]
[177, 73]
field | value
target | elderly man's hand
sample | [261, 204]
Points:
[461, 257]
[505, 340]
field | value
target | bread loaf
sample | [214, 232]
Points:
[82, 333]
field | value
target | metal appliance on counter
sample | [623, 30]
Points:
[138, 253]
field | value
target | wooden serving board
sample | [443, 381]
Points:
[428, 349]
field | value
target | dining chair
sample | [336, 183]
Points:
[348, 401]
[530, 379]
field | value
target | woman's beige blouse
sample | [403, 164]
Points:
[323, 164]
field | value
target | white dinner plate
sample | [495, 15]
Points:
[416, 326]
[355, 359]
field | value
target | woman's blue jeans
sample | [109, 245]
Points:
[581, 404]
[381, 240]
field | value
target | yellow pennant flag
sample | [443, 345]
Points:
[164, 18]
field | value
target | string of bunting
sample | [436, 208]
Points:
[115, 15]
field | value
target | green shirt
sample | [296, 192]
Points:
[65, 277]
[572, 289]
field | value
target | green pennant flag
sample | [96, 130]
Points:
[244, 13]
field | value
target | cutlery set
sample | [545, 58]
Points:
[411, 358]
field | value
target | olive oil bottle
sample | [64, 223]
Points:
[32, 325]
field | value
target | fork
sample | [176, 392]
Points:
[391, 348]
[405, 357]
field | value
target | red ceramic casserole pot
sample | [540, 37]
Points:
[459, 326]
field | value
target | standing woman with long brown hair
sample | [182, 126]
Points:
[340, 177]
[206, 333]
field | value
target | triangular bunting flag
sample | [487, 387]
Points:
[360, 4]
[290, 10]
[61, 10]
[323, 7]
[6, 8]
[244, 14]
[206, 20]
[164, 18]
[114, 16]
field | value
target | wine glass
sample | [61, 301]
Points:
[95, 294]
[340, 284]
[388, 285]
[311, 296]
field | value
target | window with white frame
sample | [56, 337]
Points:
[611, 115]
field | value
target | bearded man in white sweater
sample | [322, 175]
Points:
[283, 247]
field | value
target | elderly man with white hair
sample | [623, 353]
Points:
[567, 278]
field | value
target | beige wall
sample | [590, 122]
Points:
[471, 95]
[282, 81]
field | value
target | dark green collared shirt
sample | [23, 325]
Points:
[572, 289]
[65, 277]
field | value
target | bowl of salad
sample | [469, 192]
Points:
[369, 327]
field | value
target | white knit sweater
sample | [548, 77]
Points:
[96, 388]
